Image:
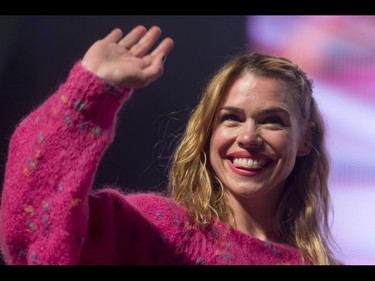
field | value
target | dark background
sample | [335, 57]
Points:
[37, 52]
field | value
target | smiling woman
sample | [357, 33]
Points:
[253, 152]
[258, 110]
[248, 181]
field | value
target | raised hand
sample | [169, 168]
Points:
[127, 61]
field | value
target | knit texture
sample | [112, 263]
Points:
[49, 215]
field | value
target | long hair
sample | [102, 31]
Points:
[301, 219]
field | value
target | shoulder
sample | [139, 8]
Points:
[149, 204]
[146, 199]
[157, 205]
[150, 200]
[149, 211]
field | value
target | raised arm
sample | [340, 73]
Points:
[55, 151]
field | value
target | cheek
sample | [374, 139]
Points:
[281, 142]
[220, 141]
[214, 147]
[219, 144]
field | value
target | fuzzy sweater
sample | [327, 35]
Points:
[49, 215]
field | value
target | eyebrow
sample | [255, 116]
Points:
[266, 111]
[232, 109]
[274, 110]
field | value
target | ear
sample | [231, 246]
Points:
[305, 145]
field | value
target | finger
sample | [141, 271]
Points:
[146, 42]
[114, 35]
[158, 56]
[164, 47]
[133, 36]
[155, 69]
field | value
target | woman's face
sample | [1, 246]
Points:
[256, 138]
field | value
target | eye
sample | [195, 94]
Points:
[230, 117]
[273, 120]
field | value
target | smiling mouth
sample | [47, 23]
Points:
[250, 164]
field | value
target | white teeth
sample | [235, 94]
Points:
[249, 163]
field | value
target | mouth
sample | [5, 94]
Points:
[249, 164]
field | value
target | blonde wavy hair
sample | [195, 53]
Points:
[302, 213]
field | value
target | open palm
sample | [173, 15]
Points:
[127, 61]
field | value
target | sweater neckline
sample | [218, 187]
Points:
[238, 235]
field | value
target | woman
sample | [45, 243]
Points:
[248, 181]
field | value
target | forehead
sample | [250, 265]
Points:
[253, 90]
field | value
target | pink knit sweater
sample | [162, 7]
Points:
[49, 216]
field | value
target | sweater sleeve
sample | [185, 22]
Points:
[52, 160]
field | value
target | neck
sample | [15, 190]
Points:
[254, 217]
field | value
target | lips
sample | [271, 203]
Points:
[247, 164]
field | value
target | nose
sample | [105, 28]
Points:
[249, 135]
